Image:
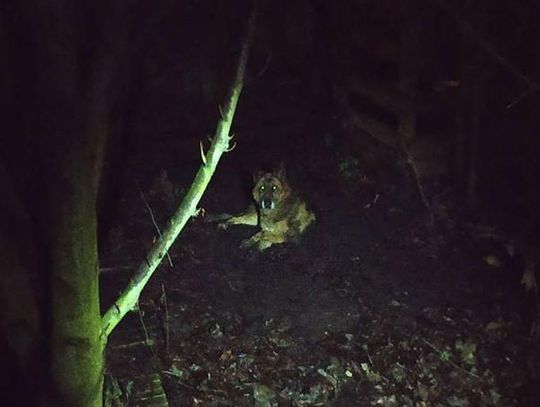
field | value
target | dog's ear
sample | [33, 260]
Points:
[257, 176]
[280, 173]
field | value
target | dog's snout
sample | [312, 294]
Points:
[267, 202]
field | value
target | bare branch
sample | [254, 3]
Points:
[149, 209]
[129, 297]
[469, 30]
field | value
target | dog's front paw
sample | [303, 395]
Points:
[223, 225]
[263, 245]
[257, 241]
[246, 243]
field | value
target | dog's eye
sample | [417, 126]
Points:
[262, 188]
[274, 187]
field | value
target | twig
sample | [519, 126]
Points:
[488, 47]
[116, 268]
[421, 192]
[135, 344]
[404, 367]
[520, 98]
[369, 357]
[149, 209]
[373, 364]
[147, 341]
[448, 360]
[163, 301]
[201, 149]
[263, 69]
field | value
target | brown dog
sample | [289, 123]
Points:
[279, 212]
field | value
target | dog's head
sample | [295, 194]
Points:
[271, 188]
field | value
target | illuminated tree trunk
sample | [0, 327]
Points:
[56, 148]
[76, 351]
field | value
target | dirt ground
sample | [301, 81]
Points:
[374, 306]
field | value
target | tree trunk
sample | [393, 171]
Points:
[76, 351]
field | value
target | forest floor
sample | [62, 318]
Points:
[374, 306]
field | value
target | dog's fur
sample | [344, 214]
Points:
[278, 211]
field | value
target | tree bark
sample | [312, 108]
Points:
[75, 346]
[53, 157]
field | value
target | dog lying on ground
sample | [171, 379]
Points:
[277, 210]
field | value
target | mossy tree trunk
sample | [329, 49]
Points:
[53, 155]
[81, 100]
[76, 352]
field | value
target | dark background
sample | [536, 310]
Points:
[328, 85]
[172, 64]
